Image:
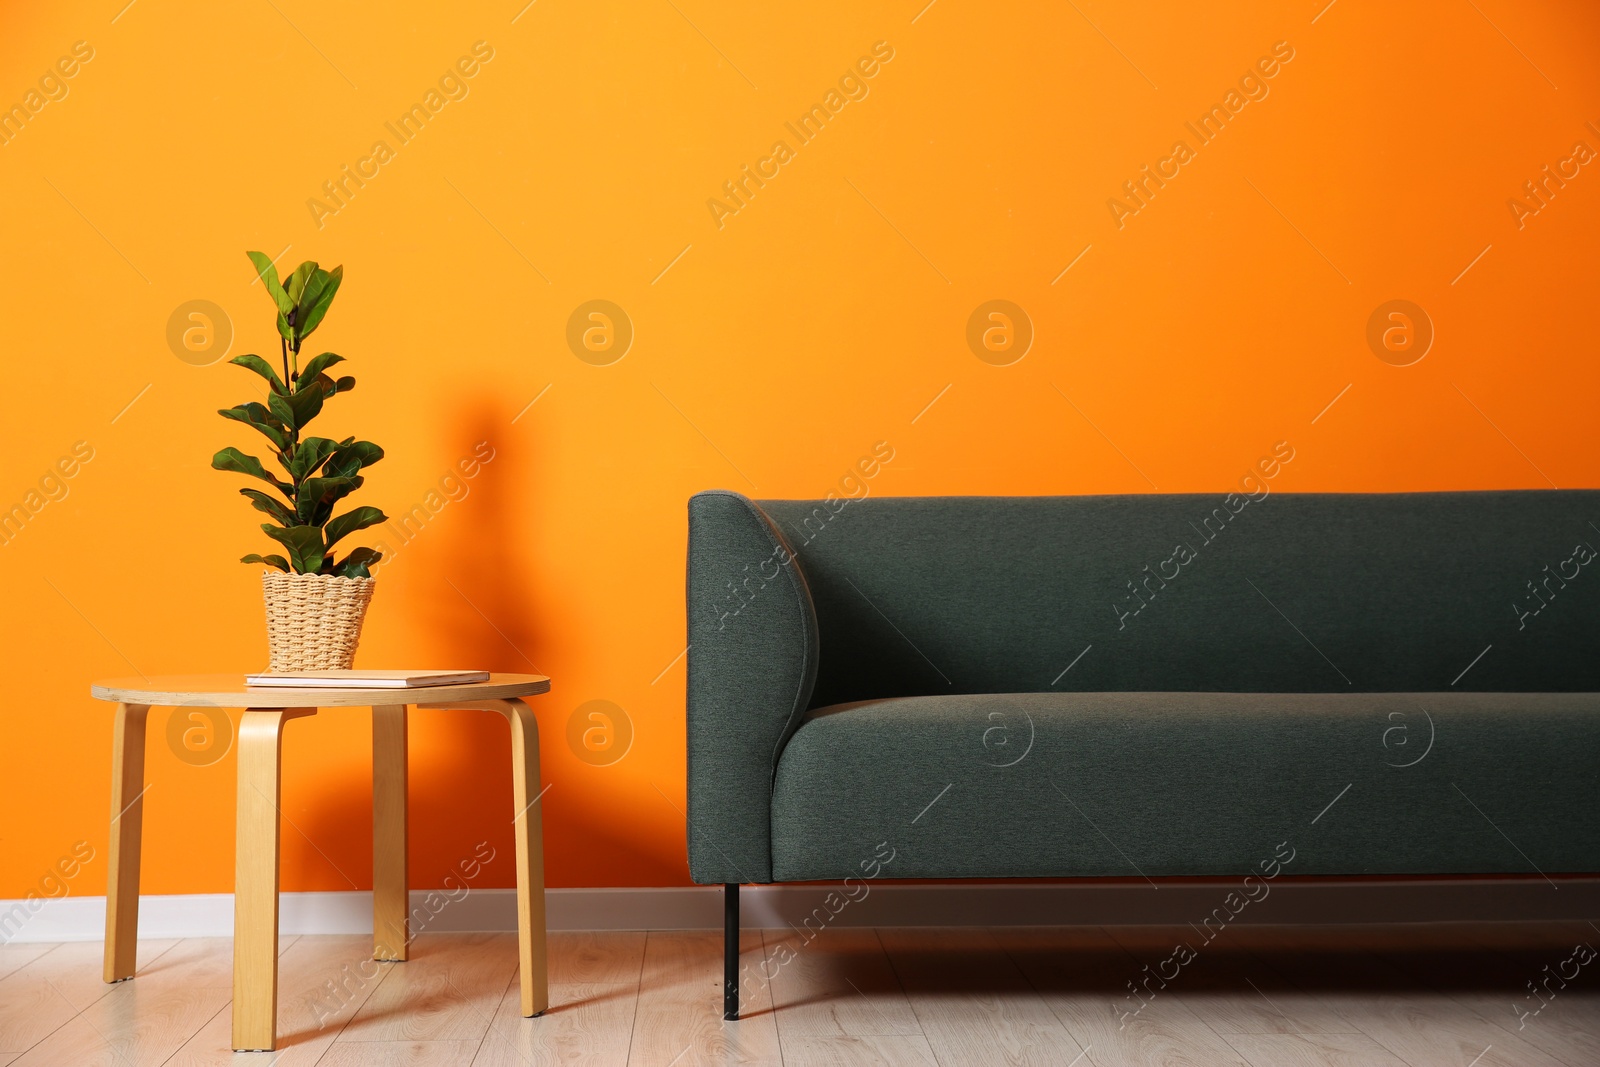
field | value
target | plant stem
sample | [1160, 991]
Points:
[283, 344]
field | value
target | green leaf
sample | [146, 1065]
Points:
[296, 285]
[231, 459]
[261, 367]
[279, 404]
[330, 387]
[351, 521]
[313, 303]
[296, 409]
[269, 278]
[356, 564]
[304, 544]
[312, 453]
[317, 365]
[315, 500]
[284, 329]
[274, 560]
[260, 413]
[306, 405]
[243, 414]
[264, 503]
[325, 509]
[352, 456]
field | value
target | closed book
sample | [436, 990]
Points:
[366, 679]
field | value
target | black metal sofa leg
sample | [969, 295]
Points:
[730, 950]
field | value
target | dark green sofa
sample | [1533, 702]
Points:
[1053, 687]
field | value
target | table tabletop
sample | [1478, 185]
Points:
[230, 691]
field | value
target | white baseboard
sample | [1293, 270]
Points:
[886, 904]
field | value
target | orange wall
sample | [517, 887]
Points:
[820, 318]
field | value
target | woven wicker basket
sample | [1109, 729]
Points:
[314, 620]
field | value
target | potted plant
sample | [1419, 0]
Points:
[315, 599]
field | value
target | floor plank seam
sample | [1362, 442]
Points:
[1181, 1002]
[894, 969]
[638, 993]
[354, 1011]
[200, 1030]
[1051, 1008]
[1510, 961]
[1255, 955]
[1240, 1052]
[107, 990]
[513, 986]
[772, 999]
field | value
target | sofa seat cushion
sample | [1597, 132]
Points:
[1021, 785]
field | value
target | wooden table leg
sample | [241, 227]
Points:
[255, 883]
[127, 821]
[528, 829]
[391, 922]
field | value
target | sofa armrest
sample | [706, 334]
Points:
[752, 664]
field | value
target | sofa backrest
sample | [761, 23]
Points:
[1289, 592]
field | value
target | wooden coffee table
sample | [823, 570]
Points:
[255, 922]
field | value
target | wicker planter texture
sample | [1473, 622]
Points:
[314, 620]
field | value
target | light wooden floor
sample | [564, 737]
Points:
[1260, 997]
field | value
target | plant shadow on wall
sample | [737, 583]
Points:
[456, 543]
[472, 545]
[468, 565]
